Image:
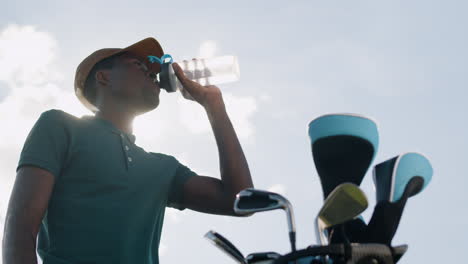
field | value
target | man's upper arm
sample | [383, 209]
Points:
[199, 193]
[47, 144]
[176, 189]
[29, 200]
[206, 194]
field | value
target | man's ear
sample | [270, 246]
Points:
[102, 77]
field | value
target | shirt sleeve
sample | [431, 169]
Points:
[182, 174]
[46, 144]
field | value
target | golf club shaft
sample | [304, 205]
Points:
[291, 226]
[292, 239]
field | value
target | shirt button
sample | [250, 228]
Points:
[129, 159]
[127, 148]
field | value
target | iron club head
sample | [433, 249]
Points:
[252, 200]
[344, 203]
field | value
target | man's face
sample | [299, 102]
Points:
[133, 83]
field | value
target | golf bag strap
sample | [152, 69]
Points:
[354, 253]
[331, 250]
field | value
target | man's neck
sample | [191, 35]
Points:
[121, 120]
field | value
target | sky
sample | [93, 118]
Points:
[401, 63]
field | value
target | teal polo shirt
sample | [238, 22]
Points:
[109, 197]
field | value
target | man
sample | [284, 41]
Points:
[89, 192]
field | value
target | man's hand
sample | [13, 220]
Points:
[204, 95]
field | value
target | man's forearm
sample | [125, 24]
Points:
[18, 246]
[235, 173]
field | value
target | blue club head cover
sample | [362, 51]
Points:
[391, 177]
[343, 148]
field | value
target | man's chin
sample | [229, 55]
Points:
[156, 104]
[148, 108]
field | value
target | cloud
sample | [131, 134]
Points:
[350, 65]
[208, 49]
[153, 128]
[278, 188]
[31, 73]
[162, 249]
[265, 98]
[193, 116]
[240, 110]
[27, 56]
[186, 159]
[174, 214]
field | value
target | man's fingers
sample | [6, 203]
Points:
[177, 69]
[179, 73]
[186, 82]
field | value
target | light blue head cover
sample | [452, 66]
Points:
[344, 124]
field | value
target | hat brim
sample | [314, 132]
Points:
[145, 48]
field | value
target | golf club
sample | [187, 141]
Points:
[226, 246]
[396, 180]
[344, 203]
[252, 200]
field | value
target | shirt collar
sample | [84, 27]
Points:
[107, 124]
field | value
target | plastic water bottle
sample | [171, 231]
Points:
[205, 71]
